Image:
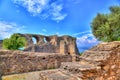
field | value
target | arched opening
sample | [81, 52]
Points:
[45, 40]
[22, 48]
[34, 40]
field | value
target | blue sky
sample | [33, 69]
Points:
[49, 17]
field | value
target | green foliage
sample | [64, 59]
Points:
[106, 27]
[14, 42]
[81, 53]
[115, 9]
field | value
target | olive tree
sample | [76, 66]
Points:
[106, 27]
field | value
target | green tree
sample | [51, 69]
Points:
[106, 27]
[14, 42]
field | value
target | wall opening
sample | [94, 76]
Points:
[45, 40]
[34, 40]
[22, 48]
[68, 53]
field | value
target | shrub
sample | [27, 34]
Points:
[14, 42]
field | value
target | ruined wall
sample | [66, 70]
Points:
[102, 62]
[13, 62]
[51, 44]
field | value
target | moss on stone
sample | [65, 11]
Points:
[15, 77]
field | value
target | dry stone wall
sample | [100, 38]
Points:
[14, 62]
[102, 62]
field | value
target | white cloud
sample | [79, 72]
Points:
[86, 40]
[79, 33]
[56, 12]
[6, 29]
[43, 8]
[57, 33]
[44, 30]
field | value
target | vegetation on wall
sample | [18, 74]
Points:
[106, 27]
[14, 42]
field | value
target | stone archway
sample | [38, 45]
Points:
[34, 40]
[45, 40]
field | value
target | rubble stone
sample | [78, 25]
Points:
[14, 62]
[102, 62]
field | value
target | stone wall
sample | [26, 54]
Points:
[51, 44]
[102, 62]
[14, 62]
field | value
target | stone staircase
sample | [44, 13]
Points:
[88, 68]
[102, 62]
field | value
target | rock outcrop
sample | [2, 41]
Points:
[51, 44]
[102, 62]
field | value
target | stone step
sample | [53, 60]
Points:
[23, 76]
[96, 56]
[106, 46]
[56, 74]
[79, 67]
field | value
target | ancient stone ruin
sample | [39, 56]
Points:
[51, 44]
[102, 62]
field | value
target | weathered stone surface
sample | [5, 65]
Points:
[13, 62]
[106, 46]
[58, 74]
[96, 55]
[77, 67]
[51, 44]
[106, 56]
[24, 76]
[83, 68]
[99, 63]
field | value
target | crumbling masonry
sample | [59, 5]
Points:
[102, 62]
[51, 44]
